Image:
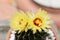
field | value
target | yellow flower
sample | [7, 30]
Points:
[38, 21]
[18, 21]
[22, 22]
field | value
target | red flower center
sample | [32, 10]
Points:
[37, 22]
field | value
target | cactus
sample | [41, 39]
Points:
[30, 36]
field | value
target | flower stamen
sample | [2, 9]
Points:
[37, 22]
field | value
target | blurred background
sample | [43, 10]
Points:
[4, 27]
